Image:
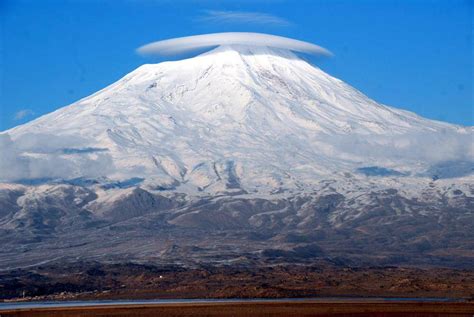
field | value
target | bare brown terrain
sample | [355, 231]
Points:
[139, 281]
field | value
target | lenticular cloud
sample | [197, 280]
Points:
[190, 43]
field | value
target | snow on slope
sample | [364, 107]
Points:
[236, 117]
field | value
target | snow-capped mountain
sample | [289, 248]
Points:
[254, 142]
[247, 117]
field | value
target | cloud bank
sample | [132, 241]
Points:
[191, 43]
[447, 153]
[229, 17]
[426, 147]
[41, 156]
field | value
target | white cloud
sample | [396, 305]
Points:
[41, 156]
[12, 164]
[192, 43]
[216, 16]
[428, 147]
[23, 113]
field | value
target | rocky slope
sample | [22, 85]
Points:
[352, 226]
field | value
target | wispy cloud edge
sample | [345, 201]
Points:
[23, 113]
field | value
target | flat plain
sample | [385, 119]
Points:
[281, 308]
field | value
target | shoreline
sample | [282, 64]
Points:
[168, 300]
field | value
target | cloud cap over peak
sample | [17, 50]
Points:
[191, 43]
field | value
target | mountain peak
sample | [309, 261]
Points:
[250, 50]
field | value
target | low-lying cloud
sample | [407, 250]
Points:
[192, 43]
[430, 148]
[39, 156]
[242, 17]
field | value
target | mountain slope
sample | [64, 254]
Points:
[249, 117]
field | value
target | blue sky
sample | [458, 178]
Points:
[415, 55]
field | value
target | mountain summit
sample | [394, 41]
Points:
[254, 118]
